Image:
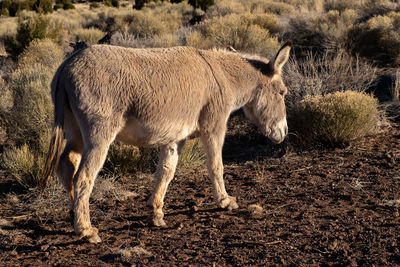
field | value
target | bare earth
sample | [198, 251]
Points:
[320, 206]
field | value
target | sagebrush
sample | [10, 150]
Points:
[335, 119]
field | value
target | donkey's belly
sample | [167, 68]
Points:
[139, 133]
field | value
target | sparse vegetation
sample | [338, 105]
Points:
[324, 62]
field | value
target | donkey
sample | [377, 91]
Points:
[158, 98]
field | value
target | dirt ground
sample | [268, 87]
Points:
[315, 207]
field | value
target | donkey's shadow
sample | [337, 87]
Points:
[244, 142]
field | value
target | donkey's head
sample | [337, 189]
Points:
[267, 109]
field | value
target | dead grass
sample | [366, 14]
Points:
[333, 71]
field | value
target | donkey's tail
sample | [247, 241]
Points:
[57, 137]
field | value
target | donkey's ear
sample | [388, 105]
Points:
[281, 57]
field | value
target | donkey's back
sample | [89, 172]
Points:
[154, 96]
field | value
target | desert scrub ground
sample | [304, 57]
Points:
[322, 197]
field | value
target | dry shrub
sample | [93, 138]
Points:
[335, 119]
[91, 35]
[20, 162]
[144, 26]
[8, 27]
[378, 38]
[323, 31]
[122, 159]
[29, 118]
[306, 5]
[155, 20]
[126, 159]
[342, 5]
[192, 154]
[227, 7]
[333, 71]
[260, 7]
[239, 31]
[44, 52]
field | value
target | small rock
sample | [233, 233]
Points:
[14, 253]
[255, 210]
[44, 248]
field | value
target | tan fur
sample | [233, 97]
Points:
[156, 97]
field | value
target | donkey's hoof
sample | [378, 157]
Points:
[159, 222]
[94, 239]
[90, 235]
[228, 203]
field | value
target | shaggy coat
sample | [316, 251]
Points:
[155, 97]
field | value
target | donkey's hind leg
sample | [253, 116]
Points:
[168, 159]
[71, 157]
[97, 140]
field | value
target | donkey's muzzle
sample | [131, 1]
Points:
[279, 132]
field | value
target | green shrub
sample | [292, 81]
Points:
[94, 5]
[115, 3]
[64, 4]
[43, 6]
[28, 120]
[139, 4]
[58, 6]
[202, 4]
[334, 119]
[35, 28]
[107, 3]
[4, 7]
[378, 38]
[18, 6]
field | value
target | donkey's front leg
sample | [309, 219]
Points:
[213, 145]
[168, 159]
